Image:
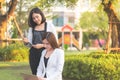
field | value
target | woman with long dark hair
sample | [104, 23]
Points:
[38, 26]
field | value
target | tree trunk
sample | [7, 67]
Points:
[114, 23]
[4, 19]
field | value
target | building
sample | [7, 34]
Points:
[70, 15]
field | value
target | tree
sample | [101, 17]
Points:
[107, 5]
[96, 27]
[22, 9]
[43, 4]
[110, 8]
[4, 18]
[114, 24]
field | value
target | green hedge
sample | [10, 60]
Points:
[92, 67]
[14, 52]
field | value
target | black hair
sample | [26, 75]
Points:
[31, 23]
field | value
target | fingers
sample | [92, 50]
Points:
[25, 40]
[41, 78]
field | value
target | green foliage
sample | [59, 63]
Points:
[96, 28]
[98, 23]
[14, 52]
[86, 39]
[50, 3]
[66, 46]
[70, 3]
[47, 4]
[115, 6]
[15, 33]
[22, 12]
[92, 67]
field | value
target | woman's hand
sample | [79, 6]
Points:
[25, 40]
[41, 78]
[38, 46]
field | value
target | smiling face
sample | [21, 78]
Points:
[47, 45]
[37, 18]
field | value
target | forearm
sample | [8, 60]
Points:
[38, 46]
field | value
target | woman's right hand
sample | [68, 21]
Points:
[25, 40]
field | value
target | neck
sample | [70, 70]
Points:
[40, 24]
[48, 53]
[50, 50]
[40, 27]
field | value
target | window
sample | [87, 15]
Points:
[58, 21]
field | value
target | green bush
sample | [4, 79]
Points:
[66, 46]
[92, 67]
[14, 52]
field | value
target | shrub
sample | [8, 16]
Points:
[14, 52]
[66, 46]
[92, 67]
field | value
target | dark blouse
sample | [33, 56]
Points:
[45, 62]
[37, 35]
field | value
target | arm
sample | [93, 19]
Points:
[30, 35]
[38, 46]
[28, 40]
[40, 69]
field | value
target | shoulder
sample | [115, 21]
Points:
[58, 50]
[49, 24]
[59, 53]
[51, 27]
[44, 51]
[30, 29]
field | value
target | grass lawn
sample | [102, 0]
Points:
[12, 70]
[81, 52]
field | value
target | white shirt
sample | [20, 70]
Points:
[54, 66]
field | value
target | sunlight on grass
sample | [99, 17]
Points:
[81, 52]
[2, 64]
[12, 70]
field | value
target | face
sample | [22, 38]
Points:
[47, 45]
[37, 18]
